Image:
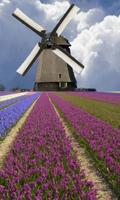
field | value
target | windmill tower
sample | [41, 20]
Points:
[56, 65]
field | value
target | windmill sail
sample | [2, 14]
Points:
[29, 60]
[65, 19]
[77, 66]
[18, 14]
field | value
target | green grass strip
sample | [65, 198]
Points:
[107, 112]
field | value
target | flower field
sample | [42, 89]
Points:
[101, 140]
[42, 162]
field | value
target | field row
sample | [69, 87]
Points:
[12, 95]
[2, 93]
[14, 110]
[101, 140]
[6, 103]
[99, 96]
[110, 113]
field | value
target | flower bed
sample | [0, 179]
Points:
[41, 164]
[2, 93]
[99, 96]
[110, 113]
[6, 103]
[10, 115]
[100, 139]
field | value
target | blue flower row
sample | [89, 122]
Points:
[10, 115]
[8, 102]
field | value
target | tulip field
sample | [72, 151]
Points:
[41, 163]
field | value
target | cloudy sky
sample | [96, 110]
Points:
[94, 34]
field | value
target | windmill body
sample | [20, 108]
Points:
[56, 65]
[52, 73]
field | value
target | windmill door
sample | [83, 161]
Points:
[63, 84]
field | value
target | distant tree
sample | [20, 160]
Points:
[15, 89]
[18, 89]
[2, 87]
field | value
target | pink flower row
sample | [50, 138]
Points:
[99, 96]
[103, 139]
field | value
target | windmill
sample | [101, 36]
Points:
[56, 65]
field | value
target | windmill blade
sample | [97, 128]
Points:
[65, 19]
[22, 70]
[77, 66]
[18, 14]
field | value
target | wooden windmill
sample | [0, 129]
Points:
[56, 65]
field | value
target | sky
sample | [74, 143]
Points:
[94, 34]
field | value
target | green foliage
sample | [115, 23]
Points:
[2, 87]
[3, 182]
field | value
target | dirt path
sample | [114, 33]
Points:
[7, 142]
[11, 96]
[86, 164]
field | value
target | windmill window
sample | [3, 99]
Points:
[60, 75]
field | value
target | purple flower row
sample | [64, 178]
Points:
[41, 163]
[2, 93]
[8, 102]
[10, 115]
[99, 96]
[103, 139]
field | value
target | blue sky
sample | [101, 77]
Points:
[94, 35]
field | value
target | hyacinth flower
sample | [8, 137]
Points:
[10, 115]
[6, 103]
[41, 163]
[102, 139]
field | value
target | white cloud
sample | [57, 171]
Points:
[53, 11]
[3, 3]
[89, 18]
[98, 49]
